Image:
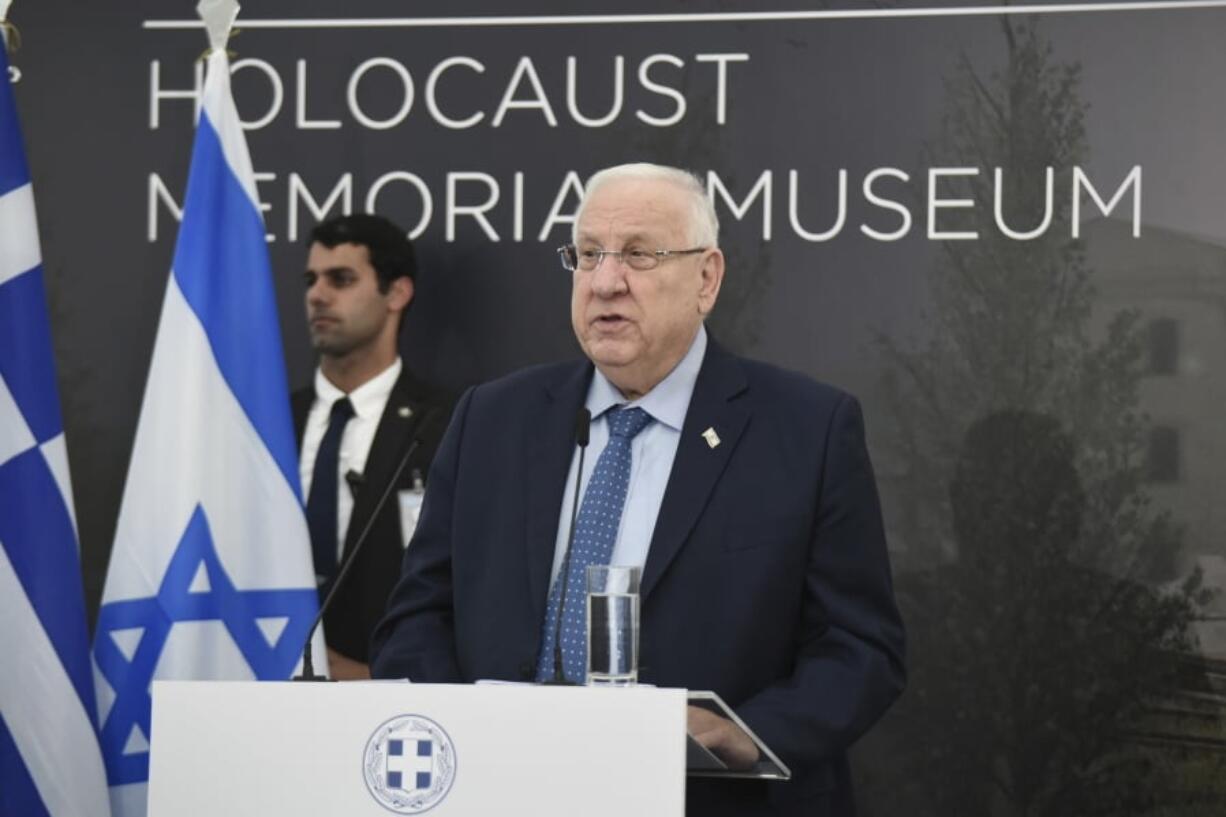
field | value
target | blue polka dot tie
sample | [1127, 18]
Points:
[600, 516]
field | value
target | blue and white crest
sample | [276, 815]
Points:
[409, 764]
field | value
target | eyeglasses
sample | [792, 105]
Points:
[638, 258]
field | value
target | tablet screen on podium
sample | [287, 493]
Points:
[702, 762]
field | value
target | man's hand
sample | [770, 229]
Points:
[344, 668]
[724, 738]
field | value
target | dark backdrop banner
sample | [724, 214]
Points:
[1005, 232]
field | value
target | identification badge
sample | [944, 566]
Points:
[410, 509]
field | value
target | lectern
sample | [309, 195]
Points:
[353, 749]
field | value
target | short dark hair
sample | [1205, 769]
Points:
[391, 252]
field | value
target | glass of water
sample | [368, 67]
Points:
[612, 625]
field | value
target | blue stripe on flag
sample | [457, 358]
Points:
[36, 533]
[221, 265]
[154, 617]
[133, 703]
[13, 170]
[18, 795]
[26, 362]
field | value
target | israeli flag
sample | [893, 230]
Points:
[211, 575]
[49, 758]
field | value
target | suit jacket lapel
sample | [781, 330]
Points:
[550, 448]
[300, 403]
[698, 464]
[396, 427]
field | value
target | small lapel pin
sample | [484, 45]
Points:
[711, 437]
[405, 412]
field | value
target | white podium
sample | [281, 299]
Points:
[380, 747]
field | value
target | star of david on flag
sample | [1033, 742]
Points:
[211, 575]
[49, 758]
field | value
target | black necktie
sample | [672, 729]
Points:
[321, 504]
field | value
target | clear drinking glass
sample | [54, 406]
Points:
[612, 625]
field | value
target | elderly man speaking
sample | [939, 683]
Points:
[743, 491]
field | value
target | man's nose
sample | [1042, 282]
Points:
[317, 291]
[609, 278]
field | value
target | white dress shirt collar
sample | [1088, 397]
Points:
[668, 401]
[369, 398]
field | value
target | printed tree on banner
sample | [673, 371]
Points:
[737, 319]
[1039, 645]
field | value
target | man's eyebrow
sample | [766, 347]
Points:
[328, 271]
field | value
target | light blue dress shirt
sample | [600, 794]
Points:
[652, 453]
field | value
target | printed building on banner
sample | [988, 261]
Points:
[211, 575]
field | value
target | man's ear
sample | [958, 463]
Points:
[712, 278]
[400, 294]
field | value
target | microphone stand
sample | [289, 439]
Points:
[308, 649]
[583, 427]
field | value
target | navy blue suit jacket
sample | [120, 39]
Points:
[767, 579]
[361, 600]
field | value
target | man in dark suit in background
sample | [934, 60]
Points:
[743, 491]
[355, 422]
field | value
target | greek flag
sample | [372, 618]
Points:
[211, 575]
[49, 759]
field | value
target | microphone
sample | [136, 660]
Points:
[427, 424]
[355, 481]
[583, 428]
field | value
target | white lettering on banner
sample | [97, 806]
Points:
[477, 211]
[762, 188]
[517, 229]
[871, 196]
[669, 90]
[265, 207]
[157, 93]
[721, 82]
[341, 194]
[935, 203]
[427, 201]
[300, 97]
[794, 217]
[539, 100]
[663, 90]
[1133, 180]
[521, 90]
[999, 208]
[572, 104]
[278, 92]
[432, 90]
[159, 193]
[474, 207]
[571, 184]
[406, 103]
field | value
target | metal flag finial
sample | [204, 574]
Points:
[218, 17]
[8, 32]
